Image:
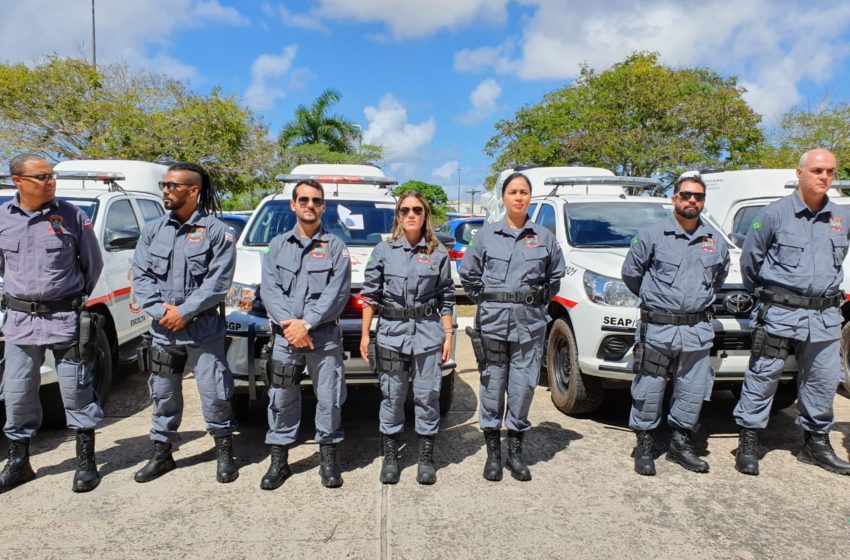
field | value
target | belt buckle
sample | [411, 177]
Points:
[529, 299]
[428, 311]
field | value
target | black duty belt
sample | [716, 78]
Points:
[534, 297]
[418, 312]
[774, 295]
[277, 329]
[42, 307]
[679, 319]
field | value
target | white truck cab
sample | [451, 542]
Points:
[119, 197]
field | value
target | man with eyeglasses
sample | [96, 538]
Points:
[792, 261]
[182, 271]
[50, 261]
[675, 267]
[306, 283]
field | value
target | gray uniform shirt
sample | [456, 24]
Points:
[309, 279]
[188, 265]
[398, 276]
[674, 271]
[791, 246]
[46, 255]
[502, 259]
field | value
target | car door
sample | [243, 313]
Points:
[121, 220]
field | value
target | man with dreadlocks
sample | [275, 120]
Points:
[182, 271]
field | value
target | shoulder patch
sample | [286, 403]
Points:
[756, 225]
[635, 240]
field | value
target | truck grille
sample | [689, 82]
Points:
[733, 301]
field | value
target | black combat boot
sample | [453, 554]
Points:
[425, 472]
[278, 468]
[226, 470]
[161, 463]
[389, 469]
[747, 458]
[18, 469]
[644, 461]
[493, 466]
[329, 468]
[817, 450]
[516, 464]
[682, 452]
[86, 478]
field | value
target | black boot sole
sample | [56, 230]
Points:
[389, 478]
[274, 483]
[518, 474]
[648, 470]
[685, 465]
[748, 470]
[80, 487]
[226, 479]
[493, 476]
[29, 477]
[165, 469]
[804, 457]
[426, 478]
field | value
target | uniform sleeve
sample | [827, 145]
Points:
[270, 292]
[556, 268]
[447, 285]
[636, 263]
[145, 284]
[471, 268]
[373, 276]
[755, 248]
[723, 272]
[330, 304]
[90, 257]
[219, 277]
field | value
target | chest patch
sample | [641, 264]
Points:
[835, 225]
[532, 241]
[423, 257]
[196, 235]
[55, 222]
[319, 250]
[708, 245]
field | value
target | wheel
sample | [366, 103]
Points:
[447, 392]
[786, 395]
[572, 391]
[845, 355]
[102, 365]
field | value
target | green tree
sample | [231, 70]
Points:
[64, 109]
[434, 194]
[828, 127]
[322, 153]
[313, 125]
[637, 118]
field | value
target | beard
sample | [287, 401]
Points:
[688, 212]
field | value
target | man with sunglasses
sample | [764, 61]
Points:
[182, 271]
[50, 261]
[306, 283]
[675, 267]
[792, 262]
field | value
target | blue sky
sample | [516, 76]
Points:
[427, 79]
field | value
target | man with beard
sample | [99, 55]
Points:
[305, 286]
[182, 270]
[675, 267]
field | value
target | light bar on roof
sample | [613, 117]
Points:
[837, 184]
[339, 179]
[631, 182]
[104, 176]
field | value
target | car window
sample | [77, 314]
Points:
[150, 209]
[86, 205]
[598, 224]
[744, 219]
[120, 216]
[546, 217]
[235, 224]
[466, 231]
[531, 208]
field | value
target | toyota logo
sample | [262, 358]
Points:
[738, 302]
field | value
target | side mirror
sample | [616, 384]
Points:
[738, 239]
[118, 239]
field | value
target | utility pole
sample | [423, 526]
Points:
[473, 192]
[459, 169]
[93, 40]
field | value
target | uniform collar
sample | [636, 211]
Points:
[800, 206]
[15, 201]
[293, 235]
[505, 229]
[673, 226]
[401, 241]
[195, 219]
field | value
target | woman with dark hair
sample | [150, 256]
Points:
[408, 285]
[512, 269]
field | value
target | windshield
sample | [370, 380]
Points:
[356, 222]
[86, 205]
[603, 224]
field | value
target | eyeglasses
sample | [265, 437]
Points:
[171, 185]
[686, 195]
[305, 200]
[404, 210]
[40, 177]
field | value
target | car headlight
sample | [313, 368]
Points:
[241, 296]
[608, 291]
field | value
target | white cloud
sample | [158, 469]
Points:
[483, 100]
[211, 10]
[769, 44]
[389, 128]
[447, 170]
[266, 71]
[304, 21]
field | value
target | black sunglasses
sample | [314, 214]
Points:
[40, 176]
[171, 185]
[686, 195]
[418, 210]
[305, 200]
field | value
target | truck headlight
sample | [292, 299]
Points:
[608, 291]
[241, 296]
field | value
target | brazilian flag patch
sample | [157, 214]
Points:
[756, 225]
[635, 240]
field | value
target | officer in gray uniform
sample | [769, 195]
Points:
[512, 271]
[305, 286]
[792, 261]
[675, 267]
[408, 282]
[50, 261]
[182, 271]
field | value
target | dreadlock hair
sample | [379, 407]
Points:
[208, 197]
[427, 226]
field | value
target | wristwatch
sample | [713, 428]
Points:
[306, 325]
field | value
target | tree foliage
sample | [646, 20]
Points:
[322, 153]
[637, 118]
[64, 109]
[313, 125]
[828, 127]
[434, 194]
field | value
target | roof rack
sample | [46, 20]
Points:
[381, 182]
[109, 178]
[629, 183]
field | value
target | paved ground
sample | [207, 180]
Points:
[584, 501]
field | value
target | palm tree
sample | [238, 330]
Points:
[312, 125]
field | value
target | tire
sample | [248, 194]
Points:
[102, 367]
[447, 392]
[786, 395]
[845, 355]
[572, 391]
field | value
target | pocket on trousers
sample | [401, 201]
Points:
[709, 384]
[223, 381]
[340, 391]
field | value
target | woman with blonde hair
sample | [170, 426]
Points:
[408, 285]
